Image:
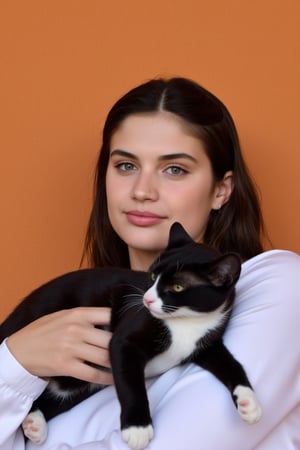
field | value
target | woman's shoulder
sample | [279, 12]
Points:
[272, 260]
[276, 255]
[272, 273]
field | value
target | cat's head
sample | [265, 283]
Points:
[191, 279]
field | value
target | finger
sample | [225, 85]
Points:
[95, 355]
[97, 337]
[77, 331]
[91, 374]
[95, 316]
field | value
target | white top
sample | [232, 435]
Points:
[190, 408]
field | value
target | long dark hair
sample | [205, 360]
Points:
[237, 226]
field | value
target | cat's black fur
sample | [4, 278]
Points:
[138, 337]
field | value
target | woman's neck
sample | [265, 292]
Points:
[141, 260]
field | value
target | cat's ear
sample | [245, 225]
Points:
[178, 237]
[226, 270]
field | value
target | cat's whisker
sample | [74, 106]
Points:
[169, 308]
[128, 305]
[137, 295]
[133, 299]
[179, 266]
[135, 302]
[137, 288]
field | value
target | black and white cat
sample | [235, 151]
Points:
[174, 314]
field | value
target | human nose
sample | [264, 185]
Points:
[145, 187]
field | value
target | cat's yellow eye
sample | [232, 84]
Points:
[178, 288]
[153, 276]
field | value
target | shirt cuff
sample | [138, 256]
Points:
[15, 376]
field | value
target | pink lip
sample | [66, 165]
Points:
[143, 218]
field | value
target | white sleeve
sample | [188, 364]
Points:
[264, 336]
[190, 408]
[18, 390]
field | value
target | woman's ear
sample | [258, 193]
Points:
[223, 191]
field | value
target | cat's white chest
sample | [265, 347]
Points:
[185, 333]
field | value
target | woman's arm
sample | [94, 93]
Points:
[18, 389]
[57, 344]
[263, 336]
[190, 408]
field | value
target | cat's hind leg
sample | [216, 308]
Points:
[35, 427]
[247, 404]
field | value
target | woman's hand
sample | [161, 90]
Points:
[60, 343]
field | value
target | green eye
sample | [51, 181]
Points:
[153, 276]
[178, 288]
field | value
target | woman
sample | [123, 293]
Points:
[170, 153]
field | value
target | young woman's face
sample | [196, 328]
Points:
[158, 174]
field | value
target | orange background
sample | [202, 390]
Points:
[64, 63]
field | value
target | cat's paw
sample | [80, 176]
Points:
[35, 427]
[137, 438]
[247, 404]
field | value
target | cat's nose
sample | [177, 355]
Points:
[148, 301]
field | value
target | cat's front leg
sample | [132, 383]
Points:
[137, 438]
[220, 362]
[247, 404]
[128, 370]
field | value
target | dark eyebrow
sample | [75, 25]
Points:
[167, 157]
[177, 156]
[123, 153]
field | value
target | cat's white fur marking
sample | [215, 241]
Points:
[186, 328]
[55, 389]
[185, 333]
[137, 438]
[247, 404]
[35, 427]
